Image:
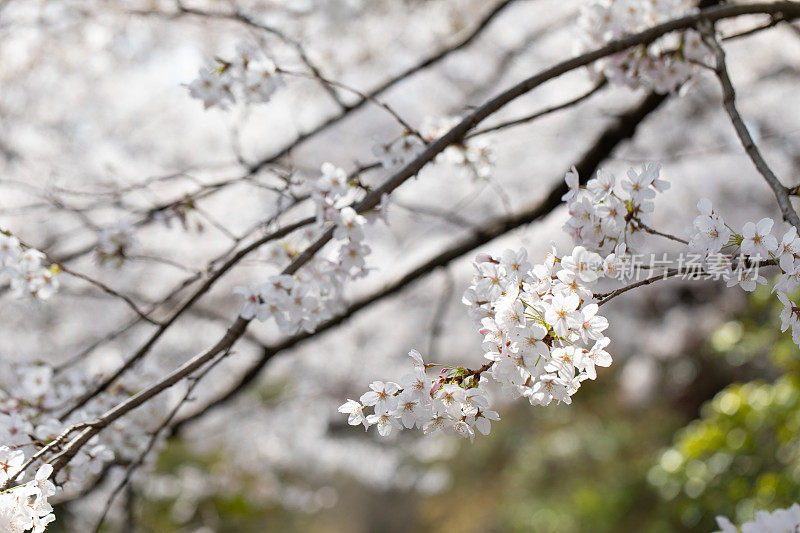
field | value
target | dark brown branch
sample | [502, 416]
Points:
[604, 298]
[59, 460]
[383, 105]
[729, 103]
[774, 21]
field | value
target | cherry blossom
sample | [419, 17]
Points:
[788, 250]
[533, 320]
[451, 403]
[24, 507]
[747, 279]
[211, 88]
[246, 77]
[757, 239]
[382, 396]
[664, 65]
[606, 213]
[473, 156]
[709, 233]
[778, 521]
[790, 316]
[355, 412]
[26, 269]
[398, 152]
[597, 356]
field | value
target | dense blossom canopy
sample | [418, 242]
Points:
[130, 284]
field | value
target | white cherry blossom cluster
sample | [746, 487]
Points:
[710, 236]
[25, 269]
[541, 330]
[709, 233]
[605, 213]
[778, 521]
[474, 156]
[542, 335]
[247, 77]
[314, 294]
[295, 304]
[399, 151]
[454, 401]
[24, 507]
[114, 244]
[663, 65]
[33, 395]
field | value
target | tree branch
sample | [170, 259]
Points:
[205, 287]
[623, 128]
[546, 111]
[154, 438]
[729, 103]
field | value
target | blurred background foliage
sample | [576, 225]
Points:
[726, 444]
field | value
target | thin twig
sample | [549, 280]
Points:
[99, 284]
[108, 290]
[383, 105]
[774, 21]
[652, 231]
[603, 298]
[523, 120]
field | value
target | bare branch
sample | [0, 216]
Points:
[652, 231]
[400, 120]
[606, 297]
[729, 103]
